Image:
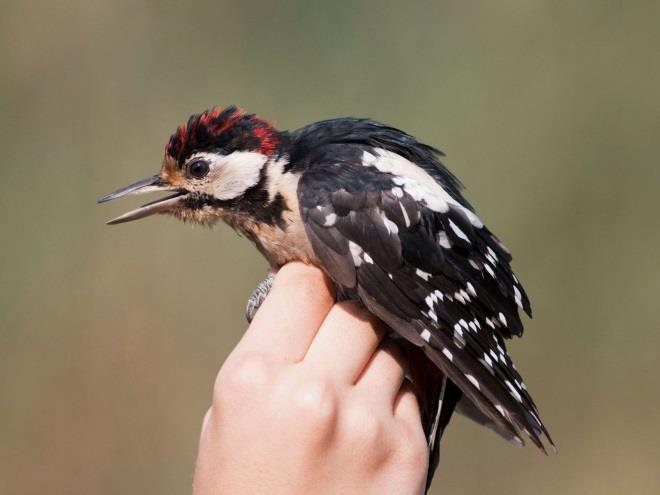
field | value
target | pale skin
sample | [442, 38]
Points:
[311, 401]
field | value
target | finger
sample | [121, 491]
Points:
[289, 318]
[406, 407]
[345, 342]
[384, 373]
[205, 423]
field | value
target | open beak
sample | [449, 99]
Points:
[150, 184]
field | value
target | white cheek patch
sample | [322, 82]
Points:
[236, 173]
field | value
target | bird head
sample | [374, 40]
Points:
[209, 166]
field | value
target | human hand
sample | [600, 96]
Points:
[311, 401]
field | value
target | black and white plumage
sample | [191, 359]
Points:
[386, 220]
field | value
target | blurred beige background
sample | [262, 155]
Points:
[110, 338]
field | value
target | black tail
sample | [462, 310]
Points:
[437, 397]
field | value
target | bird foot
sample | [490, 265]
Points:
[258, 296]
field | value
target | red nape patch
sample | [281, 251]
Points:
[223, 127]
[269, 140]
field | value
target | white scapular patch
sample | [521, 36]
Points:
[398, 192]
[448, 354]
[231, 175]
[389, 224]
[356, 253]
[416, 181]
[473, 381]
[425, 335]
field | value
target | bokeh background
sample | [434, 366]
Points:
[110, 338]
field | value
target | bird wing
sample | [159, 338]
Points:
[426, 266]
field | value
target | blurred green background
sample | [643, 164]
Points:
[110, 338]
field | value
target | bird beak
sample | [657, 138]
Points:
[150, 184]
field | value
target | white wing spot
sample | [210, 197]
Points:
[502, 319]
[398, 192]
[473, 381]
[330, 220]
[459, 340]
[448, 353]
[423, 274]
[518, 296]
[458, 231]
[389, 225]
[356, 252]
[425, 335]
[368, 258]
[405, 215]
[443, 240]
[513, 391]
[471, 290]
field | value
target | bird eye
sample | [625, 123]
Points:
[199, 168]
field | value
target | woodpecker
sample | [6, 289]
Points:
[377, 211]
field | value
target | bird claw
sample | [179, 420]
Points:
[257, 297]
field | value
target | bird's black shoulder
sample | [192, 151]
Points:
[344, 139]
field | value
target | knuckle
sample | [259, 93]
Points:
[364, 425]
[315, 403]
[241, 375]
